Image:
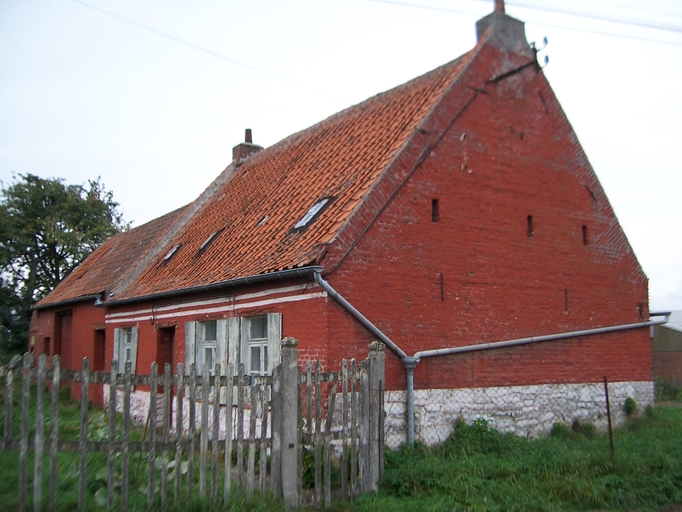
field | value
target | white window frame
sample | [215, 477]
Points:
[204, 343]
[271, 343]
[230, 343]
[125, 344]
[249, 343]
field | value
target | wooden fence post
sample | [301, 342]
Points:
[291, 470]
[376, 413]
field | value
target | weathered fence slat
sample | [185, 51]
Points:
[228, 435]
[39, 436]
[309, 398]
[9, 399]
[251, 461]
[216, 428]
[262, 463]
[167, 401]
[178, 428]
[83, 437]
[111, 423]
[344, 430]
[364, 422]
[125, 455]
[318, 434]
[354, 429]
[151, 469]
[328, 449]
[192, 425]
[276, 460]
[23, 446]
[240, 427]
[203, 447]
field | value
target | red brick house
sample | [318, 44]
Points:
[452, 212]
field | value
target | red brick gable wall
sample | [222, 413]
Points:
[476, 274]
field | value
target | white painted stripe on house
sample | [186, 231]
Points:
[231, 298]
[220, 309]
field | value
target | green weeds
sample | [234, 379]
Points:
[478, 468]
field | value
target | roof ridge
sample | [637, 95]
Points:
[357, 106]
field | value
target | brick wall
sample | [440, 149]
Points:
[483, 270]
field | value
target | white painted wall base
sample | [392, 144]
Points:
[139, 412]
[524, 410]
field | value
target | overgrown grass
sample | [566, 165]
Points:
[478, 468]
[67, 486]
[667, 391]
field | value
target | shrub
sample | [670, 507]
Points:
[560, 430]
[630, 407]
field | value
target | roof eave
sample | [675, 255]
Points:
[97, 297]
[280, 275]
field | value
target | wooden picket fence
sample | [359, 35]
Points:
[199, 435]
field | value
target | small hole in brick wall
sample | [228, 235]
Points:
[435, 210]
[585, 239]
[529, 226]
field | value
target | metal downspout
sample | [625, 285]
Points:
[410, 363]
[359, 316]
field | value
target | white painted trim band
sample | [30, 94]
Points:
[220, 309]
[220, 300]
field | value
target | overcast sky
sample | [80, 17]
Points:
[152, 95]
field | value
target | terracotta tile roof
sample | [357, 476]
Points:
[111, 262]
[255, 212]
[257, 203]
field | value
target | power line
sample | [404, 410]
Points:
[207, 51]
[622, 21]
[558, 11]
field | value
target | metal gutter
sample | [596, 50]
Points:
[230, 283]
[85, 298]
[538, 339]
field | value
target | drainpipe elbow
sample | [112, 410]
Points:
[410, 363]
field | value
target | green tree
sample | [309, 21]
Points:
[46, 229]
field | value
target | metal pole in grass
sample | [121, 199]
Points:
[608, 416]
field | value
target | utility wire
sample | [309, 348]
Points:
[591, 31]
[209, 52]
[599, 17]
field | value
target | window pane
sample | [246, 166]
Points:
[210, 330]
[255, 360]
[265, 358]
[129, 353]
[128, 335]
[259, 328]
[209, 353]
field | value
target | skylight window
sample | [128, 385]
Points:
[171, 253]
[210, 240]
[313, 213]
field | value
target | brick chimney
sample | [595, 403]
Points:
[507, 32]
[242, 151]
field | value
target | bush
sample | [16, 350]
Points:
[630, 407]
[560, 430]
